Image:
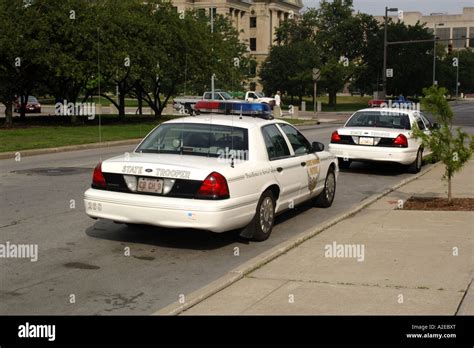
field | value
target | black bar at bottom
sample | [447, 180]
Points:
[137, 331]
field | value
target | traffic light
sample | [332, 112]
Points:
[450, 49]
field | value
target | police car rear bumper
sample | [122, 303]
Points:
[215, 216]
[404, 156]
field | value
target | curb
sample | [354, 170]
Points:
[249, 266]
[25, 153]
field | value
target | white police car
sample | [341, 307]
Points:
[216, 172]
[381, 135]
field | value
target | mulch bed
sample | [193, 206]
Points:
[438, 203]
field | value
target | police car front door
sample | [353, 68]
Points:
[309, 160]
[289, 170]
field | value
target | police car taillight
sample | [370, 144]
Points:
[400, 141]
[98, 180]
[335, 137]
[213, 187]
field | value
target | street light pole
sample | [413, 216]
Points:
[385, 45]
[457, 78]
[212, 32]
[434, 52]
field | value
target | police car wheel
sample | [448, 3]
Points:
[415, 167]
[326, 197]
[264, 217]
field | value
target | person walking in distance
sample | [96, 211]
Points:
[278, 104]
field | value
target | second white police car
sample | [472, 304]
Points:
[384, 135]
[216, 172]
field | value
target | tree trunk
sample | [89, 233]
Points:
[121, 105]
[140, 104]
[333, 98]
[449, 190]
[23, 102]
[8, 114]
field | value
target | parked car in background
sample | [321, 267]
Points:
[259, 97]
[187, 103]
[32, 105]
[381, 135]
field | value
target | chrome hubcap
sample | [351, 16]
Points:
[330, 187]
[266, 214]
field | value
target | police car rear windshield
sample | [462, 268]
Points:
[196, 140]
[380, 119]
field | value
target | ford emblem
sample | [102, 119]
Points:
[148, 170]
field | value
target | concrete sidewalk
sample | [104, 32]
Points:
[407, 266]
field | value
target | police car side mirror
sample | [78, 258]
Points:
[317, 146]
[435, 126]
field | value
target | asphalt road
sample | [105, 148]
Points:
[86, 258]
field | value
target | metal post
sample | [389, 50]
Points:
[457, 78]
[212, 86]
[315, 89]
[212, 31]
[434, 56]
[434, 51]
[384, 73]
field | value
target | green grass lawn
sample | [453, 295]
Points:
[45, 137]
[40, 137]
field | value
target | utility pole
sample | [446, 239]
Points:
[212, 32]
[457, 76]
[434, 52]
[385, 45]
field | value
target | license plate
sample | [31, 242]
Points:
[366, 141]
[150, 185]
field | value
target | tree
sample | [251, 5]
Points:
[446, 72]
[412, 63]
[21, 51]
[341, 33]
[447, 147]
[288, 68]
[339, 38]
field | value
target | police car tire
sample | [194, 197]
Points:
[415, 167]
[259, 234]
[322, 200]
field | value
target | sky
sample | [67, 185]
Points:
[377, 7]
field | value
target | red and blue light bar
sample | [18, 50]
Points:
[234, 108]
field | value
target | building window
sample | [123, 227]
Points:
[471, 37]
[253, 22]
[459, 37]
[253, 44]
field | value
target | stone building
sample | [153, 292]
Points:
[455, 29]
[256, 20]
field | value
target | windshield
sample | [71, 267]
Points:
[226, 95]
[196, 139]
[32, 99]
[379, 119]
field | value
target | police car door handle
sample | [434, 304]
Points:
[303, 164]
[279, 169]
